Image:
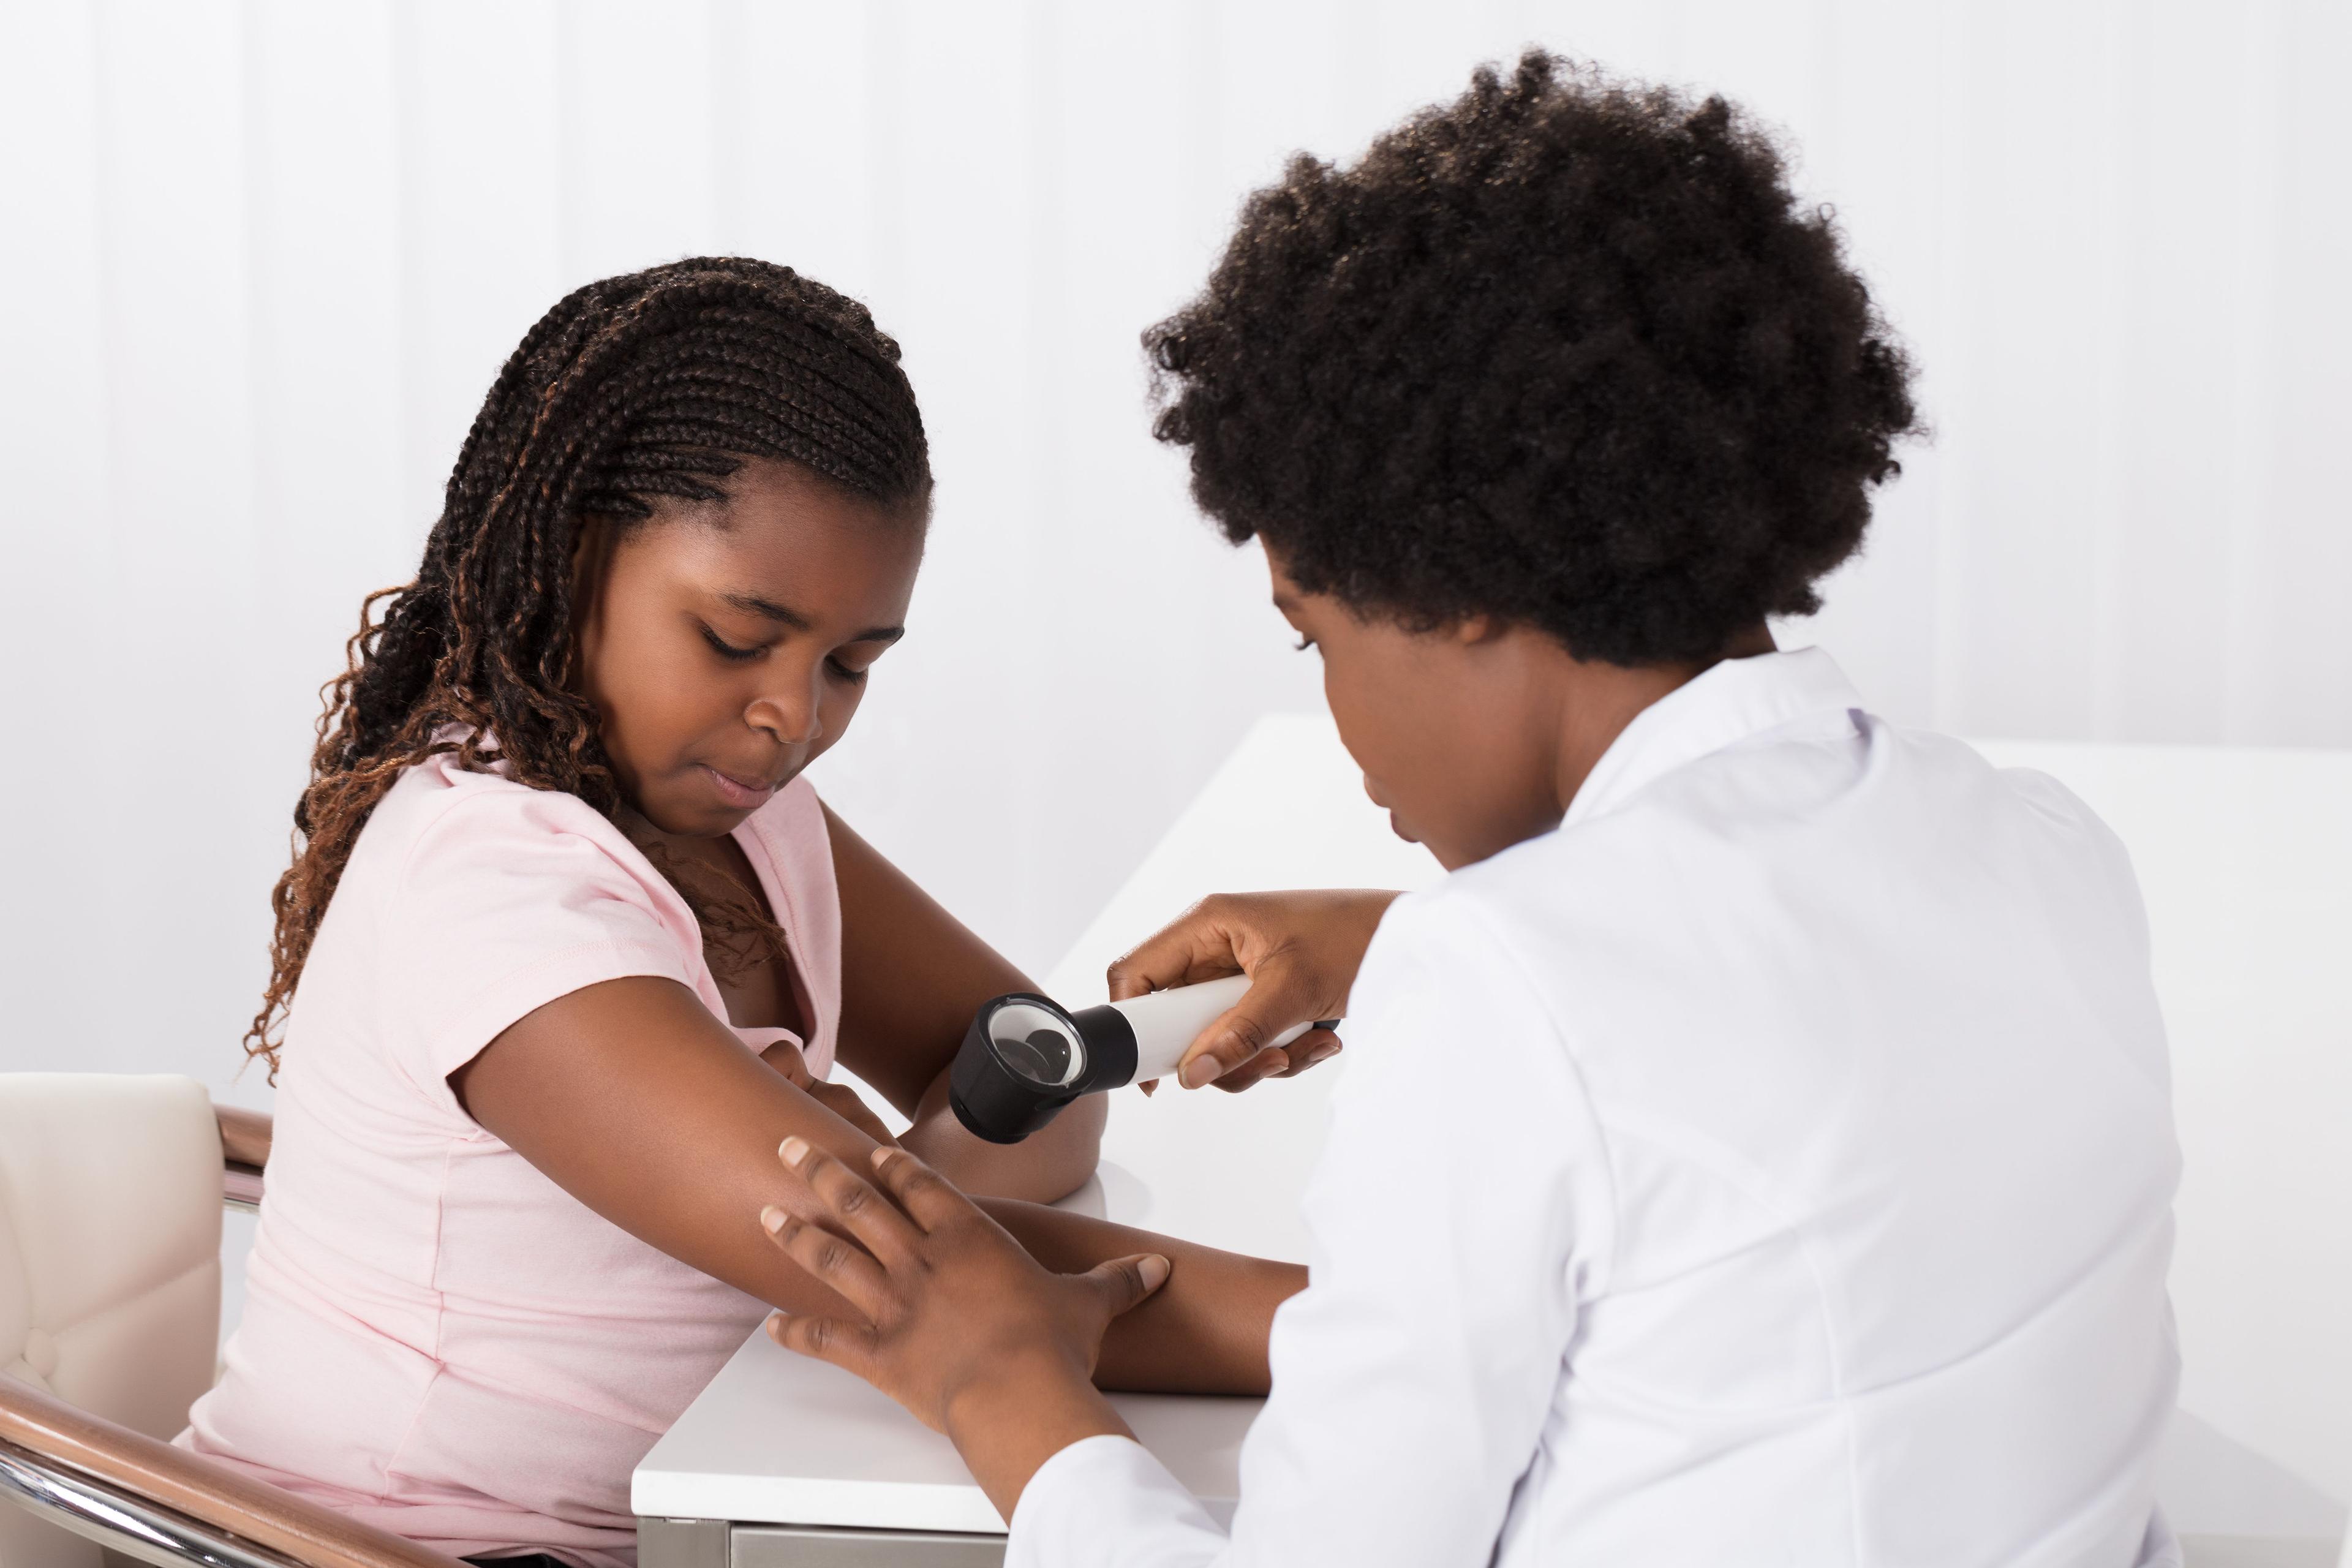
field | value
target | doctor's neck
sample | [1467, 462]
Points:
[1597, 702]
[1575, 709]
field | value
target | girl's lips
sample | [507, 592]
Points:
[735, 792]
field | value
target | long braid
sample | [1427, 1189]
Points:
[657, 384]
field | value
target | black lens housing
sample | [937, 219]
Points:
[1001, 1105]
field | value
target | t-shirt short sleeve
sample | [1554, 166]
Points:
[508, 898]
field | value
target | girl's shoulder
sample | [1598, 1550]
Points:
[471, 899]
[446, 835]
[442, 788]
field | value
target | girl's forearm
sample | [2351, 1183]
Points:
[1205, 1331]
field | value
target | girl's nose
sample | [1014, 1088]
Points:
[794, 716]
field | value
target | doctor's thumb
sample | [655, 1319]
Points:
[1280, 999]
[1125, 1282]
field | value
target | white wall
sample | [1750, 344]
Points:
[259, 262]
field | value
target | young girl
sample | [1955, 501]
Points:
[1757, 1149]
[569, 945]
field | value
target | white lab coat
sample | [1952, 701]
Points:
[1774, 1164]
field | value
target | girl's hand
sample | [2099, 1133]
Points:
[837, 1098]
[954, 1320]
[1300, 950]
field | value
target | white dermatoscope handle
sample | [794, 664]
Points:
[1166, 1023]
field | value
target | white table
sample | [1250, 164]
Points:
[2247, 862]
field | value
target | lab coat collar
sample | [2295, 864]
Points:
[1729, 703]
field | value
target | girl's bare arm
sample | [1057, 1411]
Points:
[631, 1096]
[912, 975]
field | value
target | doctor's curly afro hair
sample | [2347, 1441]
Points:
[1567, 352]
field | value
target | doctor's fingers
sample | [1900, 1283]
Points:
[872, 1219]
[929, 1198]
[1237, 1048]
[844, 1266]
[1310, 1049]
[1313, 1049]
[1256, 1070]
[1216, 936]
[1316, 936]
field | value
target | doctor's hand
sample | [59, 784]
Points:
[1301, 951]
[954, 1320]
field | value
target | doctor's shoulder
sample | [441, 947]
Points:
[1483, 952]
[2073, 853]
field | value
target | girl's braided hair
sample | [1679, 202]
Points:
[659, 382]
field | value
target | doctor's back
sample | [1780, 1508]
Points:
[1773, 1164]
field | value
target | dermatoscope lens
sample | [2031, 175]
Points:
[1042, 1058]
[1036, 1044]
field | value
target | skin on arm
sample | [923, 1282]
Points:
[912, 975]
[638, 1102]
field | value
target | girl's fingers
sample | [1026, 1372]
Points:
[786, 1058]
[850, 1346]
[843, 1265]
[931, 1201]
[864, 1212]
[844, 1102]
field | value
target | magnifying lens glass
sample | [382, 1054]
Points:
[1026, 1056]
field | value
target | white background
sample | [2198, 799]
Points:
[258, 263]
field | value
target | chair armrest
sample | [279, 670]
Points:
[198, 1488]
[244, 1136]
[245, 1149]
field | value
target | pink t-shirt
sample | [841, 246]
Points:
[436, 1338]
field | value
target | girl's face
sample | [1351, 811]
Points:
[725, 645]
[1454, 727]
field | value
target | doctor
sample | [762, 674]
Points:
[1757, 1149]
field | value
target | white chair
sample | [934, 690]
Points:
[111, 1192]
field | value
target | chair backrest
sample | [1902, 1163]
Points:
[110, 1258]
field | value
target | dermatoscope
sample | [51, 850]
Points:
[1025, 1057]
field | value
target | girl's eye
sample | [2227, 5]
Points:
[728, 650]
[842, 673]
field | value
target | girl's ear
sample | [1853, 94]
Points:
[590, 541]
[592, 547]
